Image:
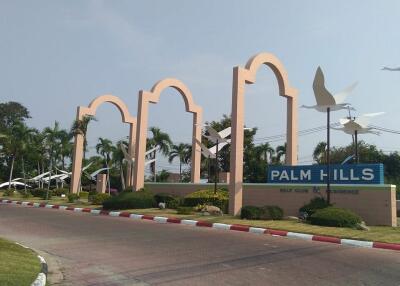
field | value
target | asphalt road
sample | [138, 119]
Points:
[84, 249]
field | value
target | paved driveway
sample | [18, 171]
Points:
[83, 249]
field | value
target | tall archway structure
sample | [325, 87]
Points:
[78, 145]
[241, 77]
[153, 96]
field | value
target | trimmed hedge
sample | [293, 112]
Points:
[207, 197]
[332, 216]
[271, 212]
[171, 201]
[41, 193]
[83, 195]
[72, 198]
[98, 198]
[315, 204]
[263, 213]
[250, 212]
[130, 200]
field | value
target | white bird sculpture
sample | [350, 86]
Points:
[358, 124]
[324, 98]
[218, 137]
[390, 69]
[14, 184]
[131, 160]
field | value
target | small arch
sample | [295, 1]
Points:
[114, 100]
[78, 142]
[254, 63]
[153, 96]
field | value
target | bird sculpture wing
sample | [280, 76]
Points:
[322, 95]
[340, 97]
[149, 162]
[391, 69]
[151, 151]
[87, 166]
[38, 177]
[213, 133]
[205, 151]
[126, 155]
[344, 121]
[221, 145]
[225, 133]
[365, 119]
[94, 174]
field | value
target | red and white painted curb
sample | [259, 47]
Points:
[222, 226]
[42, 276]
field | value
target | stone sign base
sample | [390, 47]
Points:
[376, 204]
[101, 185]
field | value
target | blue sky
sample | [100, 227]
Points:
[56, 55]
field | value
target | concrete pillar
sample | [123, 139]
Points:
[236, 160]
[196, 149]
[101, 183]
[141, 135]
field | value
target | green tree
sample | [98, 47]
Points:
[319, 154]
[162, 141]
[12, 113]
[179, 151]
[105, 148]
[81, 127]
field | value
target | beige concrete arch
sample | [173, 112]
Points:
[241, 77]
[153, 96]
[83, 111]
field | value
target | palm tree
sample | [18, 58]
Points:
[319, 153]
[105, 149]
[16, 143]
[266, 149]
[160, 140]
[280, 151]
[118, 159]
[179, 151]
[80, 127]
[52, 142]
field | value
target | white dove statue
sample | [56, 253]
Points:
[390, 69]
[358, 124]
[324, 98]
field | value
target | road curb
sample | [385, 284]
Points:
[220, 226]
[42, 276]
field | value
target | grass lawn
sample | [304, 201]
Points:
[54, 201]
[377, 233]
[18, 266]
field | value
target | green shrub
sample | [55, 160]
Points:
[315, 204]
[184, 210]
[171, 201]
[250, 212]
[60, 191]
[26, 195]
[72, 198]
[332, 216]
[98, 198]
[271, 212]
[130, 200]
[207, 197]
[40, 193]
[83, 195]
